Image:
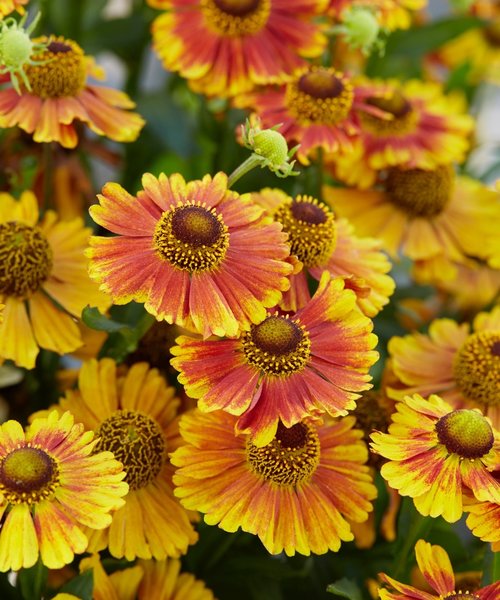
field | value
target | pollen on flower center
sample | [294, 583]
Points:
[322, 96]
[236, 18]
[466, 433]
[192, 238]
[420, 193]
[25, 259]
[476, 368]
[277, 346]
[60, 70]
[461, 596]
[311, 229]
[137, 442]
[28, 475]
[291, 458]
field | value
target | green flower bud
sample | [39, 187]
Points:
[271, 145]
[15, 48]
[360, 27]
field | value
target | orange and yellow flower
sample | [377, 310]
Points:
[43, 281]
[317, 108]
[134, 416]
[286, 367]
[483, 518]
[295, 494]
[7, 6]
[195, 253]
[464, 368]
[53, 484]
[419, 128]
[425, 215]
[436, 454]
[323, 244]
[60, 97]
[226, 47]
[435, 566]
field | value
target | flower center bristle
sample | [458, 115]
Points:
[310, 227]
[137, 442]
[291, 458]
[192, 238]
[236, 18]
[466, 433]
[322, 96]
[25, 259]
[476, 368]
[277, 346]
[28, 475]
[60, 70]
[420, 193]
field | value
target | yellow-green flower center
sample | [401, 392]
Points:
[311, 229]
[28, 475]
[277, 346]
[401, 116]
[192, 238]
[476, 368]
[466, 433]
[420, 193]
[322, 96]
[25, 259]
[236, 18]
[137, 441]
[291, 458]
[62, 73]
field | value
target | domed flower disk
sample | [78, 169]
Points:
[44, 282]
[59, 97]
[435, 566]
[286, 367]
[133, 415]
[294, 493]
[436, 454]
[54, 483]
[225, 47]
[195, 253]
[465, 365]
[424, 215]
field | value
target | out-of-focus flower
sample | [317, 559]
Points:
[435, 566]
[294, 493]
[53, 483]
[419, 127]
[436, 454]
[391, 14]
[60, 96]
[483, 518]
[122, 584]
[134, 416]
[323, 244]
[286, 367]
[465, 365]
[7, 6]
[195, 253]
[226, 47]
[42, 268]
[315, 109]
[425, 215]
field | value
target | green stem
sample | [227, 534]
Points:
[419, 528]
[250, 163]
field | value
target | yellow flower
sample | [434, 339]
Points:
[7, 6]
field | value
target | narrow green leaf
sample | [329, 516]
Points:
[346, 588]
[95, 320]
[32, 581]
[81, 586]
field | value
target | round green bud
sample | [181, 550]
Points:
[360, 26]
[271, 145]
[15, 48]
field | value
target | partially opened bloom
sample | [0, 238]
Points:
[315, 109]
[53, 485]
[294, 493]
[134, 416]
[424, 215]
[419, 128]
[286, 367]
[60, 97]
[195, 253]
[225, 47]
[43, 281]
[460, 363]
[436, 454]
[322, 243]
[435, 566]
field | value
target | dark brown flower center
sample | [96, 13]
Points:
[466, 433]
[237, 8]
[492, 32]
[236, 18]
[321, 84]
[395, 104]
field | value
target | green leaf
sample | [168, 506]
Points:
[32, 581]
[81, 586]
[95, 320]
[346, 588]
